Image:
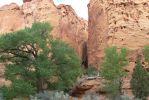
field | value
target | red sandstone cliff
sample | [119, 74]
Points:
[98, 31]
[66, 24]
[121, 23]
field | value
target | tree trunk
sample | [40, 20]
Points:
[39, 84]
[120, 86]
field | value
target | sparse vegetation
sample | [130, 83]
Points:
[140, 81]
[91, 71]
[35, 60]
[112, 69]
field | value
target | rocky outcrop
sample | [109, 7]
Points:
[88, 85]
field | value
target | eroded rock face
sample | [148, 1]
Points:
[72, 29]
[127, 23]
[11, 18]
[98, 31]
[66, 24]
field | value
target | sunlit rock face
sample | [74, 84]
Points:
[11, 18]
[128, 23]
[72, 28]
[121, 23]
[98, 31]
[66, 24]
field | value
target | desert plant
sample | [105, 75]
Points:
[54, 95]
[112, 69]
[140, 81]
[34, 59]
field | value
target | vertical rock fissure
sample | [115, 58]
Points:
[85, 55]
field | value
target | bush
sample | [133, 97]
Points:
[55, 95]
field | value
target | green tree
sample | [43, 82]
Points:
[68, 65]
[146, 53]
[112, 69]
[140, 81]
[34, 59]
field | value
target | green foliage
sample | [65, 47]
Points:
[146, 53]
[34, 59]
[19, 88]
[140, 81]
[112, 69]
[92, 71]
[68, 65]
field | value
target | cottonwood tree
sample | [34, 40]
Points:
[112, 69]
[34, 59]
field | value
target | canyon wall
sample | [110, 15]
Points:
[121, 23]
[66, 24]
[98, 31]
